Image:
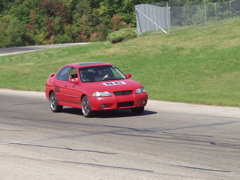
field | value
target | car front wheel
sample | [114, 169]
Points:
[138, 110]
[86, 107]
[53, 101]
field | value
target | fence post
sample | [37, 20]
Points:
[205, 7]
[230, 8]
[168, 17]
[215, 8]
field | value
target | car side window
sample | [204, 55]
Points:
[73, 73]
[63, 74]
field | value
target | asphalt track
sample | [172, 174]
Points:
[169, 141]
[24, 49]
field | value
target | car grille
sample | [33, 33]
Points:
[125, 104]
[122, 93]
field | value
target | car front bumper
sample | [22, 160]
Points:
[118, 102]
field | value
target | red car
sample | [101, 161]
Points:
[94, 86]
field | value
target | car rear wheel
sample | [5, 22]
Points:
[53, 101]
[138, 110]
[86, 107]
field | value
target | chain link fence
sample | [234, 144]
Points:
[167, 18]
[150, 17]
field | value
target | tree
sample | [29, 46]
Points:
[54, 21]
[12, 36]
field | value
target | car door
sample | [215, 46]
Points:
[60, 84]
[72, 90]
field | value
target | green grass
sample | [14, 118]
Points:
[195, 66]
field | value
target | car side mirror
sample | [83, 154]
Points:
[73, 80]
[128, 76]
[51, 75]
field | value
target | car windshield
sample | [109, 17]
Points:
[100, 73]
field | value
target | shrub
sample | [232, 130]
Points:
[122, 34]
[63, 39]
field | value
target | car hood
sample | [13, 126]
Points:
[115, 85]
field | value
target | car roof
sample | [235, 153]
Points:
[88, 64]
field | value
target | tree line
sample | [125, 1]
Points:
[35, 22]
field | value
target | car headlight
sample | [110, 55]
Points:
[140, 90]
[101, 94]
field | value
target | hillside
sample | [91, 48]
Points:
[196, 66]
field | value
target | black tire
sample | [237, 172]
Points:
[138, 110]
[86, 107]
[53, 101]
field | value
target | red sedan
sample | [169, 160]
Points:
[94, 86]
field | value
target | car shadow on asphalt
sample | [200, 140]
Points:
[109, 113]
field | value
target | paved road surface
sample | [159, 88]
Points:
[24, 49]
[169, 141]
